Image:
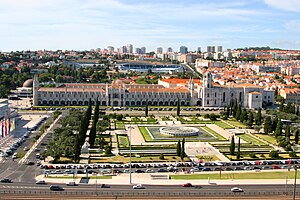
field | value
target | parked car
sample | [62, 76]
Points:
[237, 189]
[149, 171]
[138, 186]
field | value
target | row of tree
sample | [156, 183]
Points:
[93, 131]
[242, 114]
[180, 151]
[232, 148]
[81, 136]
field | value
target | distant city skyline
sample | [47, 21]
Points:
[91, 24]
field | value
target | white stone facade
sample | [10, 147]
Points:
[208, 94]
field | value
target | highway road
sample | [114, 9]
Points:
[152, 190]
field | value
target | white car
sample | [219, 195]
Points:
[138, 186]
[40, 182]
[149, 171]
[237, 189]
[72, 183]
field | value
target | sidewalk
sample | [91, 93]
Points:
[123, 179]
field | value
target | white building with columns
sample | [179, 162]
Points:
[190, 92]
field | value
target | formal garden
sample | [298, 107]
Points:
[257, 135]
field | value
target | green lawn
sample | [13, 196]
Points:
[123, 141]
[235, 123]
[268, 138]
[220, 137]
[145, 134]
[251, 140]
[120, 125]
[253, 175]
[223, 125]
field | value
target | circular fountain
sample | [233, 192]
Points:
[179, 131]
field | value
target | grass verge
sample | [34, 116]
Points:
[253, 175]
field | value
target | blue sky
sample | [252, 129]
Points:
[87, 24]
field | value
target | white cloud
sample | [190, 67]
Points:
[288, 5]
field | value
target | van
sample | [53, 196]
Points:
[56, 188]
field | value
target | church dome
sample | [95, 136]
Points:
[28, 83]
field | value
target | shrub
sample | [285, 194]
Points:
[274, 154]
[293, 154]
[252, 155]
[288, 147]
[161, 157]
[206, 116]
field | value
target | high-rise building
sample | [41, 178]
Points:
[143, 50]
[124, 49]
[110, 49]
[183, 50]
[220, 48]
[209, 49]
[213, 49]
[138, 50]
[129, 48]
[159, 50]
[199, 50]
[169, 50]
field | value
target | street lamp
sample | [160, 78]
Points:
[96, 184]
[130, 168]
[295, 180]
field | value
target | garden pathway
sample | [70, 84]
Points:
[194, 149]
[226, 134]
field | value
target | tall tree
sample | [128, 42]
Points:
[258, 117]
[82, 130]
[77, 148]
[276, 93]
[297, 136]
[232, 146]
[278, 131]
[267, 125]
[234, 107]
[228, 111]
[178, 107]
[274, 124]
[244, 115]
[281, 107]
[178, 150]
[89, 111]
[146, 109]
[238, 112]
[182, 154]
[250, 120]
[93, 130]
[238, 155]
[287, 133]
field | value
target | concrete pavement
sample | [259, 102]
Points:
[145, 178]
